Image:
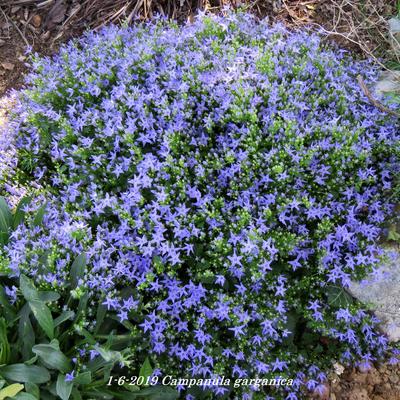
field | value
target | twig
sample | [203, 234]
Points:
[375, 102]
[16, 27]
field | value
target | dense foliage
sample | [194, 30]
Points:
[210, 191]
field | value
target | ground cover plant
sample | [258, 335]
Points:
[206, 192]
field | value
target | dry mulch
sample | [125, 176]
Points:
[359, 25]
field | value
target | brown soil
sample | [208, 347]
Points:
[358, 25]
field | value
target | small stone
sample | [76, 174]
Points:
[333, 396]
[373, 377]
[394, 378]
[339, 369]
[358, 393]
[8, 66]
[37, 21]
[2, 42]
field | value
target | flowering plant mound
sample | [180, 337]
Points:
[223, 182]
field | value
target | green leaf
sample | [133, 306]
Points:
[63, 388]
[146, 370]
[338, 297]
[11, 391]
[76, 395]
[25, 332]
[43, 316]
[392, 233]
[48, 296]
[5, 216]
[100, 314]
[4, 238]
[83, 378]
[33, 389]
[52, 357]
[66, 315]
[19, 214]
[25, 373]
[25, 396]
[78, 269]
[39, 215]
[9, 311]
[28, 288]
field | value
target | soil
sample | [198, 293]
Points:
[45, 28]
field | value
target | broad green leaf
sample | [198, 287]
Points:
[5, 216]
[338, 297]
[51, 356]
[146, 370]
[78, 269]
[66, 315]
[4, 344]
[101, 312]
[25, 332]
[83, 378]
[4, 238]
[39, 215]
[63, 388]
[19, 214]
[48, 296]
[43, 316]
[6, 307]
[25, 373]
[25, 396]
[2, 383]
[11, 391]
[32, 389]
[76, 395]
[28, 288]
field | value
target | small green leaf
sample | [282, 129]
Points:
[146, 370]
[11, 391]
[63, 388]
[48, 296]
[5, 216]
[39, 215]
[51, 356]
[25, 332]
[25, 396]
[83, 378]
[43, 316]
[33, 389]
[28, 288]
[6, 307]
[338, 297]
[4, 238]
[66, 315]
[19, 214]
[25, 373]
[78, 269]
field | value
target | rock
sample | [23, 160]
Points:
[37, 21]
[359, 378]
[332, 397]
[373, 377]
[2, 42]
[381, 293]
[8, 66]
[339, 369]
[394, 378]
[358, 393]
